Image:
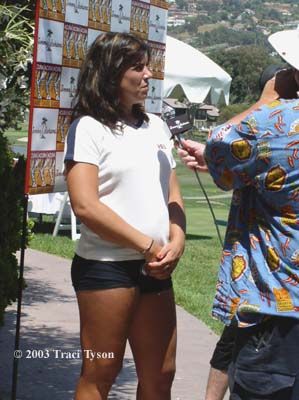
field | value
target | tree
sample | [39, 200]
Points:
[191, 25]
[16, 41]
[245, 65]
[227, 112]
[223, 34]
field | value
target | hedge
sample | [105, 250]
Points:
[11, 211]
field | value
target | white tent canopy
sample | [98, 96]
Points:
[194, 72]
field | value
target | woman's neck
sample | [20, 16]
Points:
[128, 116]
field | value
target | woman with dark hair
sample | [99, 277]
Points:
[123, 188]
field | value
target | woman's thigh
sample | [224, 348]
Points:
[153, 335]
[105, 317]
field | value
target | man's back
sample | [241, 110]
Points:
[260, 263]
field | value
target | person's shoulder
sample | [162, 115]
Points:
[278, 105]
[159, 126]
[156, 122]
[155, 119]
[269, 115]
[87, 127]
[87, 121]
[270, 110]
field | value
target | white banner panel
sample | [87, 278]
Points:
[64, 31]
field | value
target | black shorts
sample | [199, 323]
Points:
[223, 353]
[97, 275]
[265, 361]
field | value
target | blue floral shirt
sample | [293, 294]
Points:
[259, 160]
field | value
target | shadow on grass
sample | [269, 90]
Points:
[47, 227]
[191, 236]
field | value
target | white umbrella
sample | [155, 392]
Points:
[195, 72]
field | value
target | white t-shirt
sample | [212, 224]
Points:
[134, 171]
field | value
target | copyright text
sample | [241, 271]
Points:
[62, 354]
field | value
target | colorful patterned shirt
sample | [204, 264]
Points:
[259, 159]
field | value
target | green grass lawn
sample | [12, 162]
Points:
[13, 135]
[195, 277]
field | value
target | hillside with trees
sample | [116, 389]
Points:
[245, 64]
[234, 34]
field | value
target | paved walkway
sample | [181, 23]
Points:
[50, 321]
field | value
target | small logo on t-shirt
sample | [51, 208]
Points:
[162, 146]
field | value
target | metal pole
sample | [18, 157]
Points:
[20, 292]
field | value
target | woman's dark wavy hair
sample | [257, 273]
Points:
[110, 55]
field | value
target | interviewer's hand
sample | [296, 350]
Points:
[192, 155]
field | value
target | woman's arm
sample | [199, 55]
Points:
[82, 181]
[177, 217]
[172, 251]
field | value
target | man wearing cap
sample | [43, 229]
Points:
[257, 155]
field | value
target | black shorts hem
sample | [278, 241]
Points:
[90, 287]
[101, 275]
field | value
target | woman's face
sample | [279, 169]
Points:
[134, 84]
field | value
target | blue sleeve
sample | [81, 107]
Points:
[231, 155]
[237, 155]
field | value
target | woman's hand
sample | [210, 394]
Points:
[152, 253]
[166, 260]
[192, 155]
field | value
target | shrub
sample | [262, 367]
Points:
[11, 208]
[16, 39]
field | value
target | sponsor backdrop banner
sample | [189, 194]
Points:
[64, 31]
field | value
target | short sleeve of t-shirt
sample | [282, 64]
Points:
[84, 141]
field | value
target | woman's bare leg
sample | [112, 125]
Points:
[105, 317]
[153, 341]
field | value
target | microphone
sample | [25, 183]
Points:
[178, 125]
